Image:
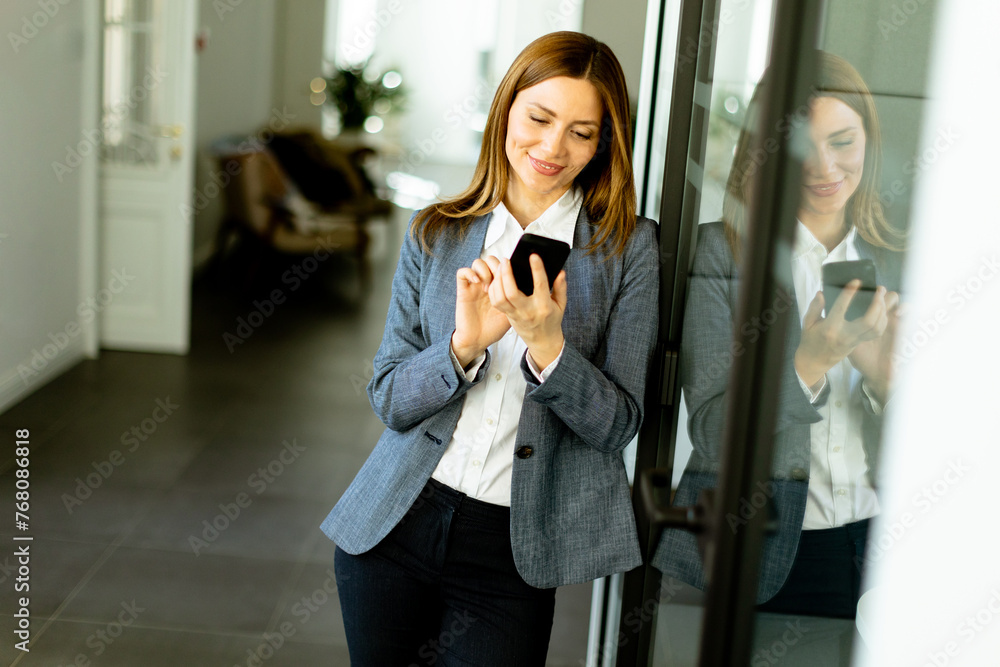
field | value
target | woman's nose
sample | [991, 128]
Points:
[552, 143]
[820, 162]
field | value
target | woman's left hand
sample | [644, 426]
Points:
[537, 319]
[873, 358]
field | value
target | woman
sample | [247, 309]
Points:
[837, 376]
[500, 474]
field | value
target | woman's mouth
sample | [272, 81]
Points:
[825, 189]
[545, 168]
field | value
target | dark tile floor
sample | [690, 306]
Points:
[139, 463]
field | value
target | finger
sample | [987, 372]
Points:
[813, 312]
[559, 290]
[466, 275]
[509, 283]
[493, 263]
[875, 317]
[892, 301]
[498, 291]
[539, 277]
[482, 270]
[839, 307]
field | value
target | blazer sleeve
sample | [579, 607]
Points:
[708, 349]
[602, 404]
[414, 376]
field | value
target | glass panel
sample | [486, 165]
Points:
[857, 140]
[130, 96]
[661, 116]
[856, 188]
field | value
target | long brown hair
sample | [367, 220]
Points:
[607, 181]
[838, 79]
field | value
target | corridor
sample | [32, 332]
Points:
[176, 500]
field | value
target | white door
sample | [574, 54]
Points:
[146, 174]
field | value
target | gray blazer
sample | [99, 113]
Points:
[571, 513]
[706, 357]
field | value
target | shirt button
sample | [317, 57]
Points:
[841, 492]
[490, 422]
[836, 449]
[477, 463]
[498, 376]
[839, 404]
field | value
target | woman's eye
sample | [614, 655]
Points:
[585, 137]
[540, 121]
[843, 144]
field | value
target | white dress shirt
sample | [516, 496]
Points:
[839, 489]
[479, 457]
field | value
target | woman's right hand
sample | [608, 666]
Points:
[827, 340]
[477, 323]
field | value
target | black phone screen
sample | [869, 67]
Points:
[836, 275]
[552, 252]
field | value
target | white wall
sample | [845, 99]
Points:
[620, 25]
[235, 71]
[298, 57]
[48, 227]
[436, 46]
[260, 58]
[234, 92]
[933, 548]
[452, 54]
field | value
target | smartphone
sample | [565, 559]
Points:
[552, 252]
[836, 275]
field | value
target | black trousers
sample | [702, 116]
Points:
[825, 579]
[442, 589]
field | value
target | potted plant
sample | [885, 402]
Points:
[359, 93]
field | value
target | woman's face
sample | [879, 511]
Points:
[833, 168]
[552, 134]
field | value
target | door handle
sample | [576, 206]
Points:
[699, 519]
[170, 131]
[661, 515]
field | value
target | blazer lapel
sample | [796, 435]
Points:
[452, 250]
[471, 248]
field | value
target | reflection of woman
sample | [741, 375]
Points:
[836, 379]
[500, 475]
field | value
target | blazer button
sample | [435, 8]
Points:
[799, 474]
[524, 452]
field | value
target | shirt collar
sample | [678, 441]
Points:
[806, 244]
[557, 222]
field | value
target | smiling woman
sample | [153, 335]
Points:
[557, 61]
[547, 149]
[500, 475]
[837, 375]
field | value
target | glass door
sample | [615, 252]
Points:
[765, 467]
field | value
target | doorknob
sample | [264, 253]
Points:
[171, 131]
[699, 519]
[692, 519]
